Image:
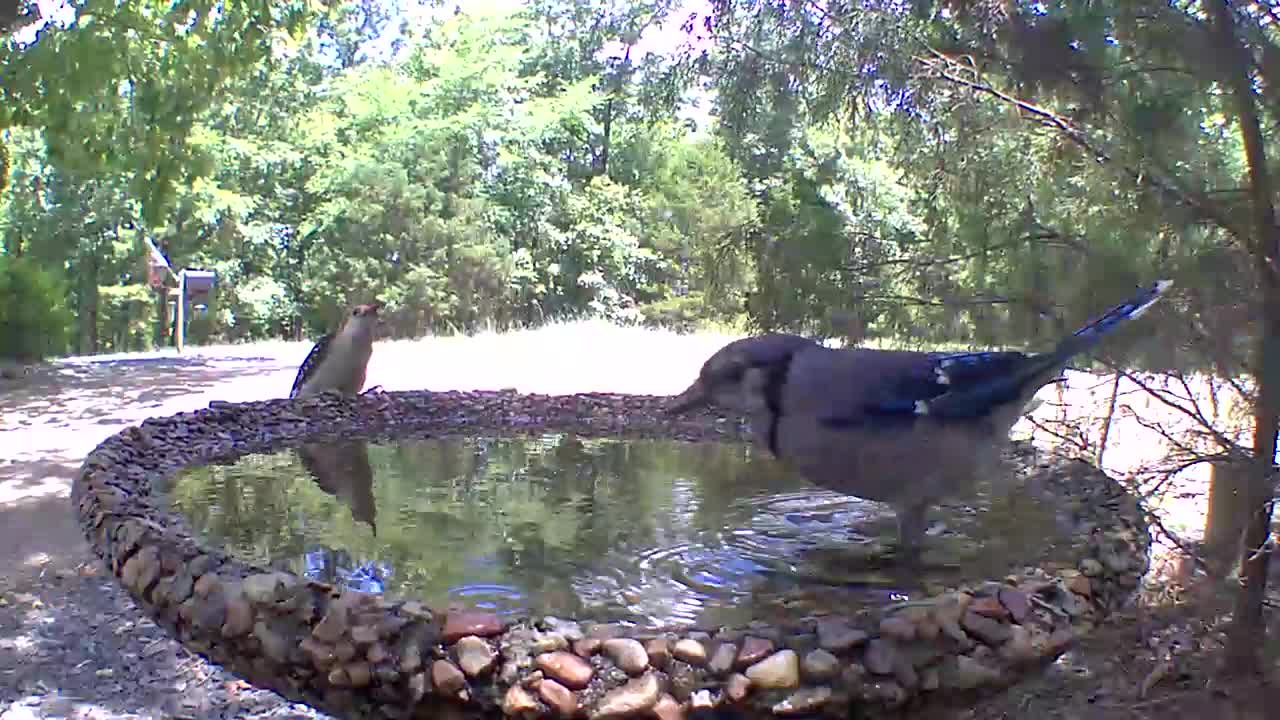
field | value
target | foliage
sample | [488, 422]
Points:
[33, 317]
[507, 167]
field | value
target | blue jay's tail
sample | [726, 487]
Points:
[1044, 366]
[980, 383]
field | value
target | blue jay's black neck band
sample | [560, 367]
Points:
[774, 380]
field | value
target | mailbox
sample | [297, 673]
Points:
[194, 285]
[200, 282]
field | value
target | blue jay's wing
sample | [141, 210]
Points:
[901, 385]
[965, 384]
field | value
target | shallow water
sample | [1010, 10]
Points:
[657, 532]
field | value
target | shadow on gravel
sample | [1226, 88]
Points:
[73, 645]
[50, 419]
[61, 393]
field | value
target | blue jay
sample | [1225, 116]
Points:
[900, 427]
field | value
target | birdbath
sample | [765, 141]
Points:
[501, 555]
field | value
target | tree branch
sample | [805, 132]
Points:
[947, 68]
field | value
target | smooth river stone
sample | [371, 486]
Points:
[629, 700]
[690, 651]
[779, 670]
[569, 669]
[460, 624]
[629, 655]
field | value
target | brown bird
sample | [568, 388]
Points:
[339, 360]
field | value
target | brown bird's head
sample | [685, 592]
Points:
[729, 378]
[364, 318]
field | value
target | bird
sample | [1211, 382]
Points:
[894, 426]
[339, 360]
[342, 469]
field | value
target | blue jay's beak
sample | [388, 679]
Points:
[693, 396]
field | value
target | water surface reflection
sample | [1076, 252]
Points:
[660, 532]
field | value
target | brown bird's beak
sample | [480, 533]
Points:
[375, 306]
[695, 395]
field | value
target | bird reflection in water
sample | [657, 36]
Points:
[341, 468]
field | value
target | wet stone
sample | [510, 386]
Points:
[360, 674]
[991, 632]
[989, 606]
[779, 670]
[364, 635]
[803, 702]
[333, 625]
[929, 679]
[586, 647]
[898, 627]
[904, 672]
[1091, 567]
[338, 677]
[239, 620]
[267, 588]
[447, 678]
[560, 698]
[474, 655]
[417, 686]
[668, 709]
[838, 636]
[886, 692]
[629, 655]
[545, 642]
[568, 629]
[880, 656]
[1080, 585]
[1016, 602]
[820, 665]
[737, 687]
[1020, 647]
[322, 656]
[518, 701]
[1116, 562]
[344, 650]
[629, 700]
[754, 649]
[690, 651]
[962, 672]
[722, 659]
[658, 650]
[569, 669]
[207, 584]
[684, 680]
[461, 624]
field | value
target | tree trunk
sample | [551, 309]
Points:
[161, 331]
[1225, 515]
[1248, 631]
[87, 310]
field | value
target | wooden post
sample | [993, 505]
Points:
[180, 331]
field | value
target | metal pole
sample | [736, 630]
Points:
[179, 334]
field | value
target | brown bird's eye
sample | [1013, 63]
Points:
[355, 312]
